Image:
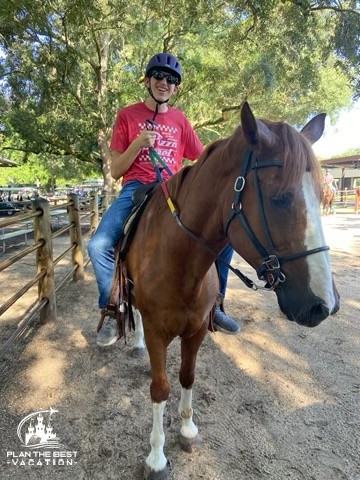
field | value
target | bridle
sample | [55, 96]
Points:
[271, 262]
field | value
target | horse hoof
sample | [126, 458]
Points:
[152, 475]
[138, 352]
[189, 444]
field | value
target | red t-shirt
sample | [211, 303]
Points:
[174, 141]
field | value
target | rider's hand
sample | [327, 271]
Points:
[146, 138]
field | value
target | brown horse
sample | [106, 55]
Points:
[327, 199]
[357, 200]
[260, 190]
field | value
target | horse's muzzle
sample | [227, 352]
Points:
[308, 311]
[315, 315]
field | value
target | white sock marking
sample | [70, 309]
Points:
[188, 427]
[139, 330]
[156, 459]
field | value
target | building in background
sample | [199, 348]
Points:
[345, 170]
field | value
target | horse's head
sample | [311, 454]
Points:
[274, 222]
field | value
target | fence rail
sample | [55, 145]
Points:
[41, 215]
[346, 196]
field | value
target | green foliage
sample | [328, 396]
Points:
[68, 65]
[45, 171]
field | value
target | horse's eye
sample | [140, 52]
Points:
[283, 200]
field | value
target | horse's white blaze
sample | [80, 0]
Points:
[156, 460]
[139, 331]
[188, 427]
[319, 264]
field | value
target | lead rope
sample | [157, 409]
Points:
[154, 158]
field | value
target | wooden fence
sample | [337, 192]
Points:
[347, 198]
[41, 215]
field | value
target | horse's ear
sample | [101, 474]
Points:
[315, 128]
[256, 132]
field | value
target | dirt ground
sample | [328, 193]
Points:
[278, 401]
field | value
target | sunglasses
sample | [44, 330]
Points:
[170, 79]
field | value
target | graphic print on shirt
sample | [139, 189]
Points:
[165, 144]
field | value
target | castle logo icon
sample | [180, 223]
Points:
[39, 432]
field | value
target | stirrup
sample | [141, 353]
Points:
[104, 312]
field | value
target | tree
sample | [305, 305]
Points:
[68, 65]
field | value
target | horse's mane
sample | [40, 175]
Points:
[296, 153]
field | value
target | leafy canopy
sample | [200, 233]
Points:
[66, 66]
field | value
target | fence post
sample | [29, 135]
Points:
[94, 211]
[44, 259]
[76, 237]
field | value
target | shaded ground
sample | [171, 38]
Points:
[279, 401]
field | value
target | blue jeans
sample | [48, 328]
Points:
[223, 270]
[102, 244]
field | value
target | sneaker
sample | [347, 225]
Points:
[108, 333]
[225, 324]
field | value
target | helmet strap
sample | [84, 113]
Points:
[158, 102]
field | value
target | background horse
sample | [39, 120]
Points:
[327, 199]
[357, 200]
[259, 190]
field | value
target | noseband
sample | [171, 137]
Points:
[271, 262]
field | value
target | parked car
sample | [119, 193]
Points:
[8, 208]
[24, 205]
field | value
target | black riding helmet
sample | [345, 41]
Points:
[165, 62]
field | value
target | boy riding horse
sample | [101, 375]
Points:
[174, 138]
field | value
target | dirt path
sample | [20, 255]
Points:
[277, 402]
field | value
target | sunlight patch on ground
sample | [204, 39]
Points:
[339, 231]
[289, 378]
[266, 342]
[78, 340]
[103, 372]
[45, 374]
[353, 303]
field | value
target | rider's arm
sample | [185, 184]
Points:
[122, 161]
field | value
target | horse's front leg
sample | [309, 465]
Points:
[156, 466]
[189, 437]
[138, 349]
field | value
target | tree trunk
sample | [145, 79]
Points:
[109, 182]
[103, 132]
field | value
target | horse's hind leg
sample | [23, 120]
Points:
[139, 343]
[189, 437]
